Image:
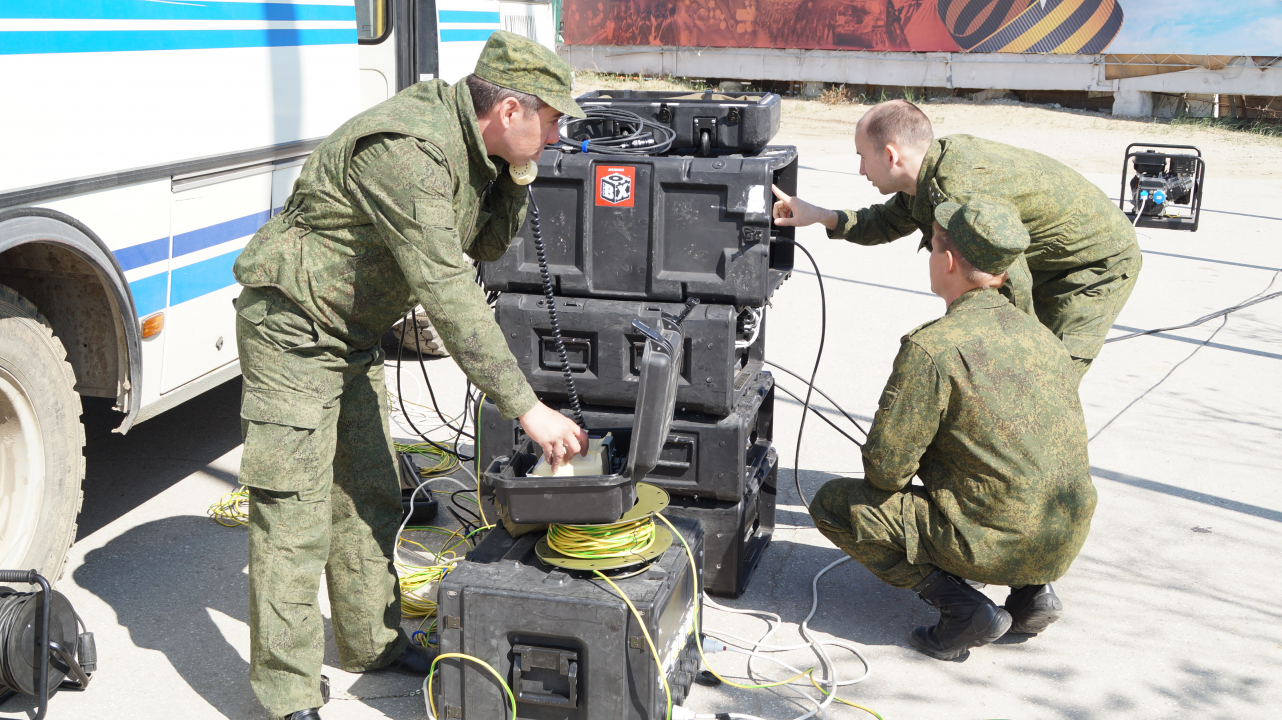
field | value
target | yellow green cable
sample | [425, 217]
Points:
[432, 672]
[602, 541]
[667, 691]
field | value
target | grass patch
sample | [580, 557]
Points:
[1265, 128]
[586, 79]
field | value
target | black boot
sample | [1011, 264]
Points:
[1033, 608]
[414, 660]
[967, 618]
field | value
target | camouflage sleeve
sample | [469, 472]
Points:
[876, 224]
[506, 205]
[408, 196]
[908, 416]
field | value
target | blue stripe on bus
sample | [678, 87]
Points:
[150, 293]
[85, 41]
[202, 278]
[190, 242]
[135, 10]
[462, 35]
[135, 256]
[468, 16]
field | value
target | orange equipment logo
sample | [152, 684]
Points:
[615, 185]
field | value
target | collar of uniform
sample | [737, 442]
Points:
[472, 131]
[977, 299]
[924, 201]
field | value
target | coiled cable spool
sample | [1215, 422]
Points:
[39, 644]
[537, 232]
[591, 542]
[612, 131]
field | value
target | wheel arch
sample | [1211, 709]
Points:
[27, 226]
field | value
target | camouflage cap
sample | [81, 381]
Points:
[520, 64]
[987, 232]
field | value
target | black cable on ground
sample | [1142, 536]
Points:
[400, 396]
[810, 386]
[537, 231]
[821, 392]
[820, 415]
[613, 131]
[430, 393]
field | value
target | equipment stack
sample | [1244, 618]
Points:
[636, 236]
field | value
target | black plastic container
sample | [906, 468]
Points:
[703, 456]
[589, 499]
[605, 351]
[565, 642]
[708, 121]
[662, 228]
[736, 534]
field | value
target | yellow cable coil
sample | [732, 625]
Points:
[232, 509]
[593, 542]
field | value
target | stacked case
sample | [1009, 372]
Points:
[635, 237]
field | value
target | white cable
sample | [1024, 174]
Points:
[1140, 211]
[413, 495]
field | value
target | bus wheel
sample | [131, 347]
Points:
[41, 442]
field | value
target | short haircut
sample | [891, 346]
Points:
[944, 241]
[485, 95]
[898, 122]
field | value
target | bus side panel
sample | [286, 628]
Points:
[94, 113]
[464, 25]
[134, 223]
[211, 225]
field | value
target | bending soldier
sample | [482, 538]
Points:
[982, 407]
[379, 220]
[1082, 260]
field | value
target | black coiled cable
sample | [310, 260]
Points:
[612, 131]
[10, 606]
[537, 231]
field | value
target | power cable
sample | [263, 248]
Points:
[821, 416]
[822, 393]
[810, 386]
[613, 131]
[401, 397]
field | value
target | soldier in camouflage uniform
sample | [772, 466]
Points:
[1082, 260]
[982, 407]
[379, 220]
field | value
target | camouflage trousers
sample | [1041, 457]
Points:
[324, 496]
[1078, 305]
[875, 527]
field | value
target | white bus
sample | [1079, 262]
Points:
[142, 143]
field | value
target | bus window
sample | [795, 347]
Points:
[373, 21]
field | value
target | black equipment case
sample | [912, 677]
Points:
[706, 121]
[735, 534]
[702, 456]
[604, 498]
[664, 228]
[605, 351]
[566, 643]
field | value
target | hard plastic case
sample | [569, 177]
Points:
[565, 642]
[662, 228]
[736, 534]
[703, 456]
[736, 122]
[601, 498]
[604, 350]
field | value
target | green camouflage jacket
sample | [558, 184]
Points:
[380, 219]
[982, 406]
[1070, 221]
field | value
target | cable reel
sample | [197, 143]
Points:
[41, 647]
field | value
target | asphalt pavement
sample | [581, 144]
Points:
[1171, 608]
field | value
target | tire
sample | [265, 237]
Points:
[42, 442]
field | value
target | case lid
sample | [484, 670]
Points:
[657, 393]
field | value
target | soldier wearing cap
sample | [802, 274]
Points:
[1082, 260]
[982, 407]
[380, 220]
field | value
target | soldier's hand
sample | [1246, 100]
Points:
[559, 436]
[792, 211]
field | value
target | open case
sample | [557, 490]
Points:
[530, 498]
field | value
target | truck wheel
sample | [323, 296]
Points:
[41, 442]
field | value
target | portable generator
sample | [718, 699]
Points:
[1165, 191]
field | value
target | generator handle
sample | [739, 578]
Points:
[34, 578]
[1168, 147]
